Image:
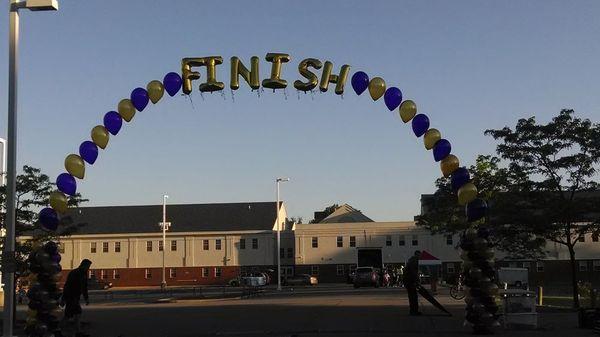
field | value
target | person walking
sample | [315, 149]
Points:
[75, 287]
[411, 281]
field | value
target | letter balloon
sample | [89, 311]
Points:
[275, 82]
[312, 79]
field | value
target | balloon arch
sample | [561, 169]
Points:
[44, 263]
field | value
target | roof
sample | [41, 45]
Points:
[241, 216]
[345, 214]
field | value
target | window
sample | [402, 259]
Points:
[388, 240]
[242, 243]
[315, 242]
[340, 241]
[61, 248]
[103, 274]
[172, 272]
[218, 244]
[290, 253]
[527, 265]
[314, 270]
[415, 240]
[401, 240]
[282, 253]
[255, 243]
[148, 246]
[92, 247]
[539, 266]
[117, 247]
[583, 266]
[160, 246]
[91, 274]
[173, 245]
[596, 265]
[595, 237]
[205, 244]
[450, 268]
[353, 241]
[105, 247]
[204, 272]
[581, 238]
[148, 274]
[217, 272]
[449, 240]
[116, 274]
[340, 269]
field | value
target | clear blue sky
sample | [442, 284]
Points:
[469, 65]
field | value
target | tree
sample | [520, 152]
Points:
[33, 189]
[325, 213]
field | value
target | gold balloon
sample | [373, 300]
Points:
[431, 137]
[467, 193]
[126, 109]
[312, 78]
[449, 165]
[339, 80]
[100, 136]
[58, 201]
[408, 110]
[250, 76]
[274, 82]
[376, 88]
[187, 75]
[156, 90]
[75, 166]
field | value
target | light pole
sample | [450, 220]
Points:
[279, 180]
[164, 225]
[11, 172]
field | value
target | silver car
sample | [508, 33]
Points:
[366, 276]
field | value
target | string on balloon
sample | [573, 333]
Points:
[223, 95]
[285, 93]
[232, 96]
[192, 101]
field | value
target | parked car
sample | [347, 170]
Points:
[366, 276]
[96, 284]
[302, 279]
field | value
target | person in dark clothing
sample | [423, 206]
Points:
[411, 281]
[76, 286]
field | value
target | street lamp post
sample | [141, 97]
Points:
[165, 225]
[279, 180]
[11, 171]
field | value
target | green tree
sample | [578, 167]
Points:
[325, 213]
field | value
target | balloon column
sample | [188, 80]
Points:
[43, 316]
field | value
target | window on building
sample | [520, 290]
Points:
[103, 274]
[450, 268]
[218, 271]
[539, 266]
[315, 242]
[255, 243]
[117, 247]
[172, 272]
[91, 274]
[282, 253]
[449, 240]
[173, 245]
[583, 266]
[340, 269]
[148, 273]
[401, 240]
[596, 264]
[92, 247]
[388, 240]
[340, 241]
[415, 240]
[218, 244]
[527, 265]
[105, 247]
[290, 253]
[61, 248]
[581, 238]
[205, 244]
[116, 274]
[148, 246]
[204, 272]
[160, 246]
[242, 243]
[595, 237]
[314, 270]
[353, 241]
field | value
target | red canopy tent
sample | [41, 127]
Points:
[427, 259]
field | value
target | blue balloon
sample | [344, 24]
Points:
[441, 149]
[392, 98]
[48, 219]
[172, 83]
[88, 151]
[139, 98]
[476, 209]
[459, 177]
[360, 82]
[420, 124]
[66, 183]
[113, 122]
